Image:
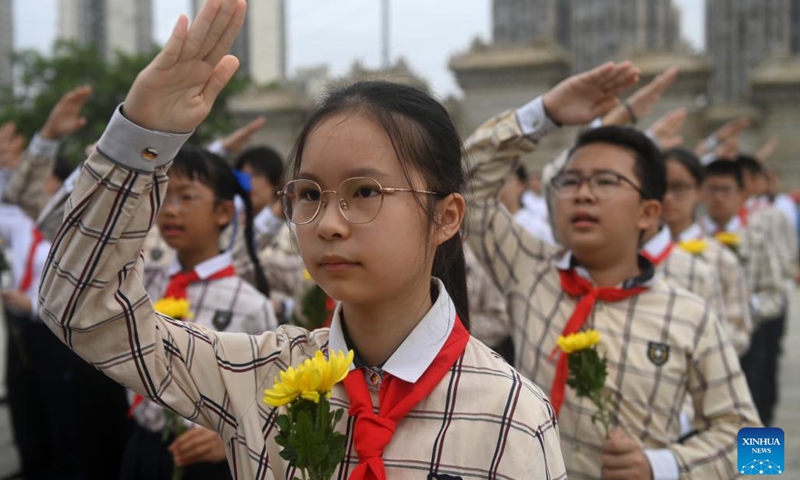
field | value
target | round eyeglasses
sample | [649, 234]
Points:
[602, 184]
[359, 199]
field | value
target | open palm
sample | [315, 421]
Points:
[177, 90]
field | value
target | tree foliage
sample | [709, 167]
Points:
[41, 81]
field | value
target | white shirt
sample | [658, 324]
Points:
[537, 226]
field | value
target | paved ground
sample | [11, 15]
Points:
[788, 415]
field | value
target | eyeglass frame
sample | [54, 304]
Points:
[587, 178]
[384, 190]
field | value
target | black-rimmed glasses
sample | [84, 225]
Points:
[602, 184]
[359, 199]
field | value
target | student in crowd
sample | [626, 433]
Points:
[196, 209]
[661, 342]
[681, 201]
[388, 159]
[724, 197]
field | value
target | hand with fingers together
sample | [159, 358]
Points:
[725, 137]
[667, 130]
[642, 100]
[766, 150]
[624, 458]
[177, 90]
[581, 98]
[239, 139]
[197, 445]
[12, 145]
[65, 117]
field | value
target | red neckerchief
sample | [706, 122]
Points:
[373, 433]
[27, 278]
[576, 286]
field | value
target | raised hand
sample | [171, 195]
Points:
[11, 146]
[725, 138]
[236, 141]
[581, 98]
[65, 117]
[642, 100]
[667, 129]
[766, 150]
[176, 91]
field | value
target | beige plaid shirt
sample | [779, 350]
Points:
[489, 320]
[761, 267]
[661, 345]
[772, 224]
[733, 282]
[25, 187]
[483, 420]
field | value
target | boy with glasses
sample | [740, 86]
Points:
[661, 342]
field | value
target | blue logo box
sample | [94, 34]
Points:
[760, 451]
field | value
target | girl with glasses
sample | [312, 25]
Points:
[377, 206]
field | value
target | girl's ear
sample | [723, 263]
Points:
[223, 213]
[451, 210]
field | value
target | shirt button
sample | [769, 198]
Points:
[150, 154]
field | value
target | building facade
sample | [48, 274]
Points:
[111, 25]
[6, 42]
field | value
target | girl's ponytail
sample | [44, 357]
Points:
[249, 239]
[449, 265]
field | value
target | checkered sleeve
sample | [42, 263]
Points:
[735, 295]
[722, 404]
[25, 187]
[92, 297]
[766, 289]
[506, 250]
[787, 248]
[489, 319]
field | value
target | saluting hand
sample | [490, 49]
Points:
[581, 98]
[65, 117]
[177, 90]
[624, 458]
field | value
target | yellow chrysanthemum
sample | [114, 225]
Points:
[311, 379]
[695, 247]
[575, 342]
[306, 275]
[728, 238]
[177, 308]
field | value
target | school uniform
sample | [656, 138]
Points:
[684, 270]
[480, 420]
[661, 342]
[768, 304]
[25, 186]
[733, 284]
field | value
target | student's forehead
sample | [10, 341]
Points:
[602, 156]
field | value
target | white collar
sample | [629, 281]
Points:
[694, 232]
[734, 225]
[659, 243]
[207, 268]
[564, 262]
[413, 357]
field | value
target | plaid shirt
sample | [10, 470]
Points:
[772, 224]
[661, 345]
[733, 282]
[482, 421]
[25, 187]
[761, 267]
[488, 313]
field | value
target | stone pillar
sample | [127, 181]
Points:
[286, 110]
[776, 90]
[501, 77]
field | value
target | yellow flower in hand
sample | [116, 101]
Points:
[728, 238]
[177, 308]
[695, 247]
[575, 342]
[311, 379]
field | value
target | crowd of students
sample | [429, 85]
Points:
[683, 260]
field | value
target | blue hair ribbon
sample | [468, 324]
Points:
[245, 180]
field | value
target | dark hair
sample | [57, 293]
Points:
[62, 168]
[649, 168]
[750, 165]
[212, 171]
[264, 161]
[522, 174]
[725, 168]
[426, 141]
[688, 160]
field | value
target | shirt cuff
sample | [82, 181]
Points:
[663, 464]
[42, 147]
[533, 120]
[707, 158]
[754, 303]
[266, 222]
[137, 148]
[596, 123]
[217, 148]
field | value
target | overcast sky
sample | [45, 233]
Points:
[339, 32]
